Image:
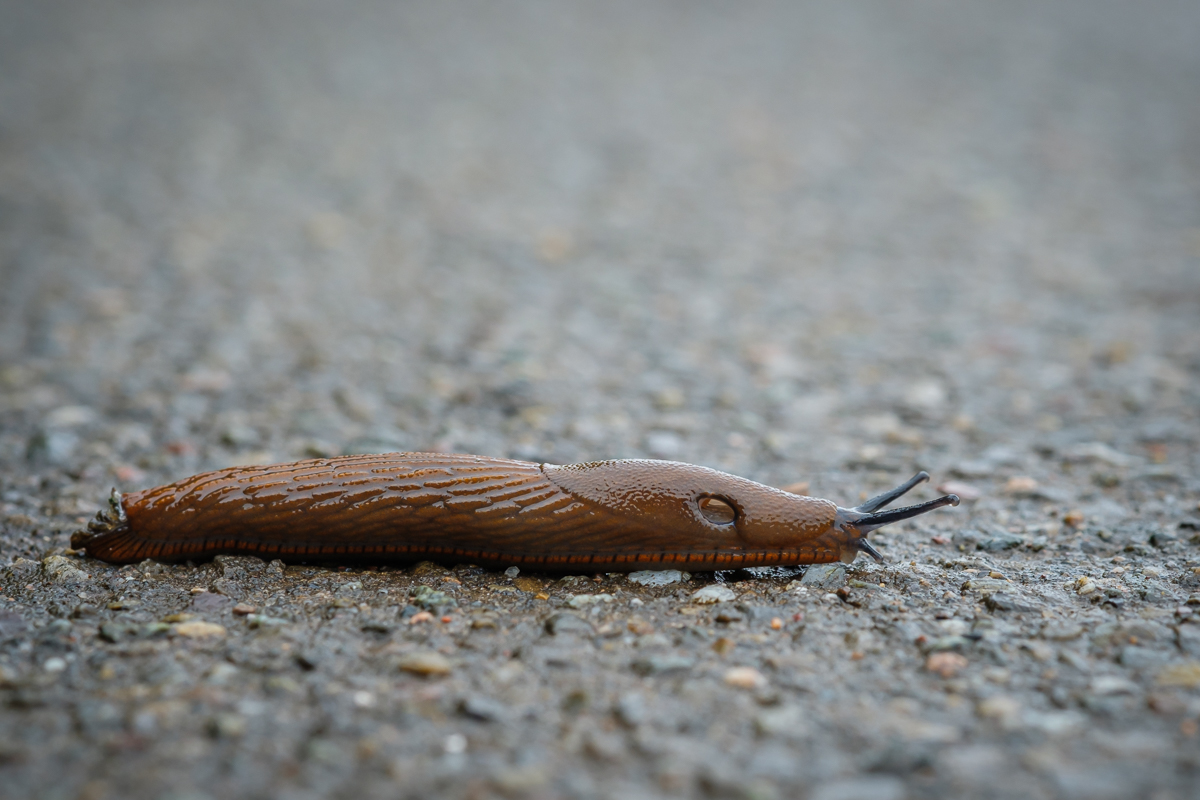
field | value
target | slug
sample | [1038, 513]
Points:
[401, 507]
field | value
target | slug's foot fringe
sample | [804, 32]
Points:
[106, 533]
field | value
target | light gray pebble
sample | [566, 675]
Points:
[1001, 541]
[880, 788]
[585, 600]
[824, 576]
[658, 577]
[63, 570]
[713, 593]
[481, 708]
[1188, 638]
[566, 624]
[1061, 631]
[631, 710]
[784, 720]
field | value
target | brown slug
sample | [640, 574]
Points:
[403, 507]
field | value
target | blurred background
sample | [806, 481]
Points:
[783, 239]
[826, 243]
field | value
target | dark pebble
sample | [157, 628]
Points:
[662, 665]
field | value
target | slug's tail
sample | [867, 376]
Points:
[107, 537]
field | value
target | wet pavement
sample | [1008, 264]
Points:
[822, 244]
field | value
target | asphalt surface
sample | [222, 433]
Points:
[810, 243]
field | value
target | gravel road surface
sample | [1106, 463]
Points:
[817, 243]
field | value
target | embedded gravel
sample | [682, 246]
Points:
[827, 244]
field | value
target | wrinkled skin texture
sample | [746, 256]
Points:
[615, 515]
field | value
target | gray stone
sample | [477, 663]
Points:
[22, 569]
[824, 576]
[985, 585]
[658, 577]
[1188, 639]
[881, 788]
[631, 710]
[1009, 601]
[208, 602]
[431, 599]
[1136, 657]
[1001, 541]
[12, 625]
[60, 569]
[713, 593]
[567, 624]
[481, 708]
[784, 720]
[586, 600]
[1061, 631]
[662, 665]
[57, 447]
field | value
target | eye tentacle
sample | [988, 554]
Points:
[869, 522]
[879, 501]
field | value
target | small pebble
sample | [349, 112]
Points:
[481, 708]
[1185, 675]
[198, 629]
[1020, 485]
[824, 576]
[745, 678]
[965, 491]
[723, 645]
[631, 710]
[431, 599]
[63, 570]
[425, 568]
[512, 572]
[242, 609]
[528, 584]
[658, 577]
[1108, 685]
[566, 624]
[227, 726]
[662, 665]
[945, 664]
[584, 600]
[206, 601]
[428, 663]
[713, 593]
[1001, 708]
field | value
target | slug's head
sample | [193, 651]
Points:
[855, 523]
[672, 507]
